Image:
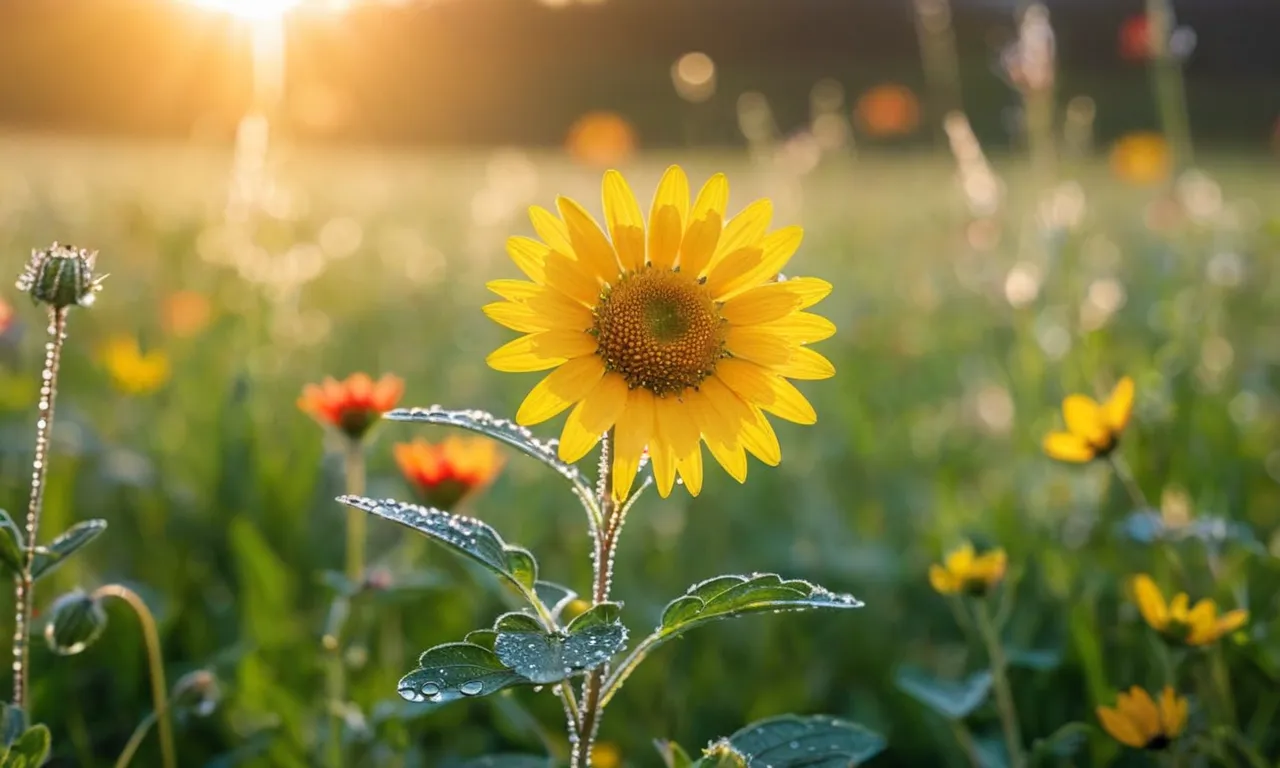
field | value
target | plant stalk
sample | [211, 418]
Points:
[357, 521]
[1126, 478]
[353, 465]
[1000, 682]
[1166, 76]
[23, 598]
[155, 660]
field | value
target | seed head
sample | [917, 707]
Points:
[61, 276]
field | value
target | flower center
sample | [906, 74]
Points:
[660, 330]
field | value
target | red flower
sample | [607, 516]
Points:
[351, 406]
[6, 316]
[1135, 38]
[445, 473]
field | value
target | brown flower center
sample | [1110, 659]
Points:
[660, 330]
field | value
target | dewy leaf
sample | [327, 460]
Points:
[502, 430]
[30, 750]
[508, 761]
[464, 535]
[75, 537]
[11, 545]
[726, 597]
[953, 700]
[545, 657]
[457, 671]
[790, 741]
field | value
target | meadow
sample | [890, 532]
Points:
[962, 324]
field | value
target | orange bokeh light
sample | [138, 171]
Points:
[887, 110]
[601, 139]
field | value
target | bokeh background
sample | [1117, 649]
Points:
[1006, 210]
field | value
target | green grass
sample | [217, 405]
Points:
[219, 492]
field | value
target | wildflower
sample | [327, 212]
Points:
[964, 571]
[1200, 625]
[6, 317]
[605, 754]
[1135, 38]
[689, 335]
[446, 473]
[888, 110]
[1137, 721]
[351, 406]
[1093, 429]
[61, 276]
[132, 371]
[601, 139]
[1141, 158]
[185, 313]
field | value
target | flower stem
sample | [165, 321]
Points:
[965, 739]
[606, 543]
[1125, 476]
[357, 521]
[155, 659]
[23, 585]
[1222, 682]
[1000, 682]
[1166, 75]
[353, 465]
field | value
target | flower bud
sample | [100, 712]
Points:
[76, 620]
[197, 692]
[61, 276]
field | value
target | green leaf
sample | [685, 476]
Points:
[554, 596]
[75, 537]
[464, 535]
[726, 597]
[673, 755]
[501, 430]
[30, 750]
[1063, 743]
[13, 723]
[953, 700]
[991, 752]
[543, 657]
[457, 671]
[12, 544]
[790, 741]
[508, 761]
[1038, 659]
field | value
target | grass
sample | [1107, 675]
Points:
[219, 493]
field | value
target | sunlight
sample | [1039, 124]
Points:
[249, 9]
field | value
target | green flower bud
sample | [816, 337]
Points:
[76, 620]
[61, 276]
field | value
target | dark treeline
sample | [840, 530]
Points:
[512, 71]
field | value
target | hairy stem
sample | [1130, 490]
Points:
[22, 594]
[1000, 682]
[155, 660]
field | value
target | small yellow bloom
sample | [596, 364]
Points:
[605, 754]
[964, 571]
[1093, 429]
[133, 372]
[1141, 158]
[1137, 721]
[1197, 626]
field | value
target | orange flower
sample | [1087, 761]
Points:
[185, 313]
[351, 406]
[1135, 38]
[445, 473]
[888, 110]
[6, 317]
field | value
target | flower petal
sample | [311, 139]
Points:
[703, 231]
[592, 417]
[513, 290]
[747, 228]
[1065, 446]
[750, 426]
[762, 304]
[803, 328]
[1119, 406]
[1143, 713]
[1173, 712]
[562, 388]
[517, 317]
[551, 229]
[677, 428]
[667, 217]
[560, 311]
[572, 278]
[530, 256]
[776, 249]
[728, 269]
[1150, 602]
[762, 347]
[806, 365]
[942, 581]
[523, 355]
[632, 434]
[771, 393]
[811, 290]
[1084, 418]
[720, 435]
[1120, 728]
[592, 248]
[626, 225]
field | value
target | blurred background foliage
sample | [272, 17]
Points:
[969, 302]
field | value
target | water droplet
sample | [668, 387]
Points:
[471, 688]
[409, 693]
[430, 689]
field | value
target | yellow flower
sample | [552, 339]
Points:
[1093, 429]
[131, 371]
[1138, 722]
[605, 754]
[1141, 158]
[671, 335]
[1200, 625]
[964, 571]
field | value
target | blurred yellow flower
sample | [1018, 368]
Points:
[1093, 429]
[605, 754]
[1137, 721]
[669, 335]
[963, 571]
[1141, 158]
[1200, 625]
[445, 473]
[601, 139]
[131, 370]
[185, 313]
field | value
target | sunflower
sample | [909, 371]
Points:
[1138, 721]
[671, 335]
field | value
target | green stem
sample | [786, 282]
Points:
[1166, 74]
[1222, 683]
[336, 672]
[357, 521]
[135, 740]
[966, 743]
[1000, 683]
[24, 584]
[155, 659]
[1126, 478]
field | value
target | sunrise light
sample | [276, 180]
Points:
[249, 9]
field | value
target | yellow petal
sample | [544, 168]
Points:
[806, 365]
[1231, 621]
[667, 217]
[728, 269]
[561, 388]
[758, 346]
[1143, 713]
[1173, 712]
[590, 245]
[703, 232]
[1150, 602]
[565, 344]
[572, 279]
[803, 328]
[776, 248]
[749, 425]
[761, 304]
[513, 290]
[1065, 446]
[633, 432]
[1084, 418]
[525, 354]
[1120, 728]
[1178, 608]
[720, 435]
[690, 468]
[959, 561]
[561, 311]
[759, 438]
[811, 290]
[517, 317]
[591, 418]
[676, 431]
[551, 229]
[626, 225]
[772, 393]
[530, 256]
[943, 582]
[1120, 405]
[745, 229]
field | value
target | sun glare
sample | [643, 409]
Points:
[249, 9]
